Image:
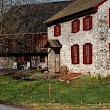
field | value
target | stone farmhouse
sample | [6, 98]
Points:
[79, 37]
[23, 33]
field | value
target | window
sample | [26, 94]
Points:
[57, 30]
[75, 25]
[87, 23]
[75, 54]
[87, 53]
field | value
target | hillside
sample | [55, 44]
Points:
[29, 18]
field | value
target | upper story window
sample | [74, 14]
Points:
[75, 54]
[87, 53]
[75, 25]
[87, 23]
[57, 30]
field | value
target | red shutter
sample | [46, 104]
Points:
[109, 46]
[84, 24]
[73, 28]
[84, 55]
[77, 46]
[72, 54]
[109, 17]
[59, 27]
[75, 54]
[77, 27]
[54, 30]
[90, 22]
[57, 30]
[90, 53]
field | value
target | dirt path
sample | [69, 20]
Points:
[8, 107]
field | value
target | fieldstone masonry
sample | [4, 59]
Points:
[103, 38]
[98, 36]
[7, 62]
[51, 59]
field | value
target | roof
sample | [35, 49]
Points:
[53, 44]
[29, 18]
[74, 8]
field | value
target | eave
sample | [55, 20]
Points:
[73, 16]
[91, 10]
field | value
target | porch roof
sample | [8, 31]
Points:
[53, 43]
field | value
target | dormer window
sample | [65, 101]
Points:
[57, 30]
[75, 26]
[87, 23]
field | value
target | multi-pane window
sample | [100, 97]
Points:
[75, 25]
[57, 30]
[87, 53]
[75, 54]
[87, 23]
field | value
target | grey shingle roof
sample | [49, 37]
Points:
[75, 7]
[30, 18]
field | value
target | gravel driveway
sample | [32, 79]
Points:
[7, 107]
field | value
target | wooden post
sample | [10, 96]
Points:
[27, 94]
[49, 90]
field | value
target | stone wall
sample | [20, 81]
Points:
[7, 62]
[98, 36]
[67, 39]
[103, 38]
[51, 60]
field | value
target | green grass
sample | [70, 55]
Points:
[87, 90]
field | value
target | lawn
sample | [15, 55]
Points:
[78, 93]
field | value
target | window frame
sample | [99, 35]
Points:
[87, 53]
[87, 23]
[57, 30]
[75, 25]
[75, 54]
